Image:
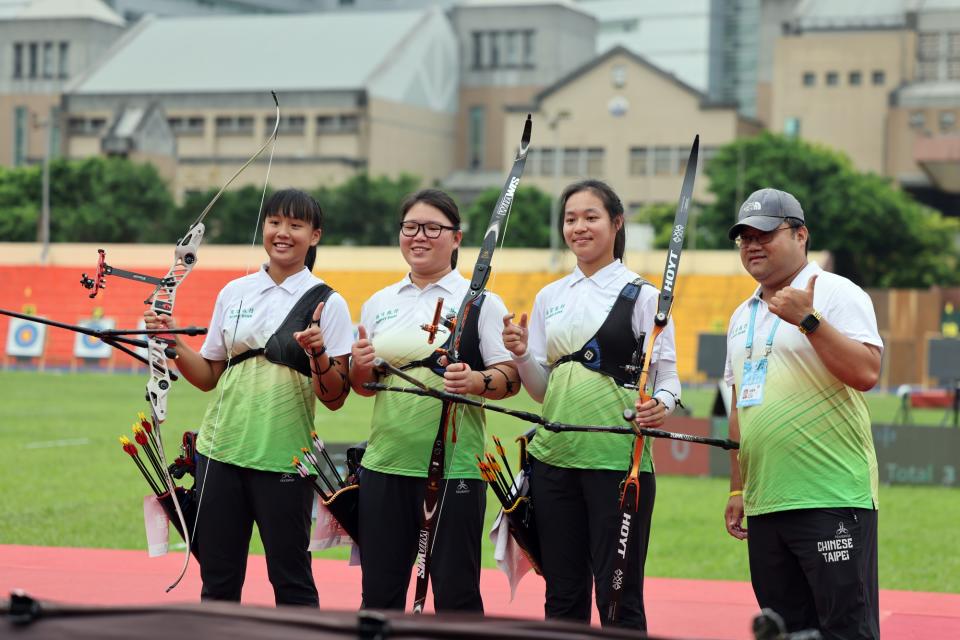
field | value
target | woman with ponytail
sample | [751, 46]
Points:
[278, 340]
[580, 357]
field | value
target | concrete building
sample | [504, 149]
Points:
[377, 92]
[675, 35]
[509, 52]
[879, 81]
[44, 45]
[624, 120]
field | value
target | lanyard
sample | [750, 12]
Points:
[753, 320]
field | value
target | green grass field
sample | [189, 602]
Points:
[66, 482]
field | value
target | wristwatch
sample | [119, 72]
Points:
[809, 324]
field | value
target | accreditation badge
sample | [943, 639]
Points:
[751, 388]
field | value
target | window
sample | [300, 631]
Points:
[477, 49]
[349, 123]
[879, 77]
[234, 125]
[63, 66]
[791, 127]
[953, 69]
[20, 130]
[927, 69]
[855, 78]
[533, 162]
[571, 161]
[662, 160]
[528, 60]
[186, 126]
[707, 154]
[917, 120]
[17, 59]
[548, 160]
[928, 46]
[809, 78]
[47, 59]
[494, 49]
[638, 161]
[511, 49]
[289, 125]
[833, 78]
[476, 136]
[343, 123]
[33, 60]
[947, 120]
[79, 126]
[594, 162]
[953, 44]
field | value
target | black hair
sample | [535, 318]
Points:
[440, 201]
[611, 202]
[299, 205]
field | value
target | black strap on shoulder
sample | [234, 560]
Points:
[613, 350]
[281, 347]
[469, 344]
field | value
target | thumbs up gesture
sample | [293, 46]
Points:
[310, 338]
[793, 305]
[515, 335]
[362, 350]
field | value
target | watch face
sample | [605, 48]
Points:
[809, 323]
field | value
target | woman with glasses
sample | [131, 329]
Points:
[404, 426]
[579, 357]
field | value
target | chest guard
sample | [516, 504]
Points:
[613, 350]
[469, 344]
[281, 347]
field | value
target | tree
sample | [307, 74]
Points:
[364, 210]
[528, 225]
[91, 200]
[660, 216]
[878, 235]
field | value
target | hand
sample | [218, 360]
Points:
[733, 518]
[650, 414]
[154, 321]
[515, 336]
[362, 351]
[310, 339]
[458, 378]
[793, 305]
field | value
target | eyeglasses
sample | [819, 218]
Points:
[431, 230]
[762, 238]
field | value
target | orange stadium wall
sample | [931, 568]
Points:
[710, 286]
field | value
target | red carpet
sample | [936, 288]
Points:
[680, 608]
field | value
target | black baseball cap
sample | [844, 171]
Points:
[765, 210]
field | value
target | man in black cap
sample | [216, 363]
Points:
[800, 353]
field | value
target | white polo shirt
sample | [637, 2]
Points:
[262, 413]
[262, 305]
[404, 426]
[808, 444]
[566, 314]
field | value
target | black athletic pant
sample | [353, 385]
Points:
[235, 498]
[390, 513]
[577, 512]
[817, 568]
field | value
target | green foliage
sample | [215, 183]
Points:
[236, 214]
[878, 235]
[364, 210]
[660, 216]
[92, 200]
[91, 496]
[528, 225]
